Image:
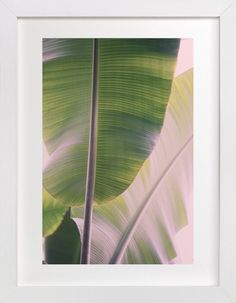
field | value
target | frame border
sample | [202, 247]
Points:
[10, 11]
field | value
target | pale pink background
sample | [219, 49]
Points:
[185, 56]
[184, 238]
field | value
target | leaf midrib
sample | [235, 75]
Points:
[91, 162]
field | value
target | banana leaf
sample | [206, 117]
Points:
[133, 81]
[140, 225]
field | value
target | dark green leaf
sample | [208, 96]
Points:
[63, 246]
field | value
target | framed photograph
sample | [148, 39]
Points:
[118, 152]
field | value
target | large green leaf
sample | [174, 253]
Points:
[63, 246]
[134, 81]
[141, 224]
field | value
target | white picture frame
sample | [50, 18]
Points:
[10, 12]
